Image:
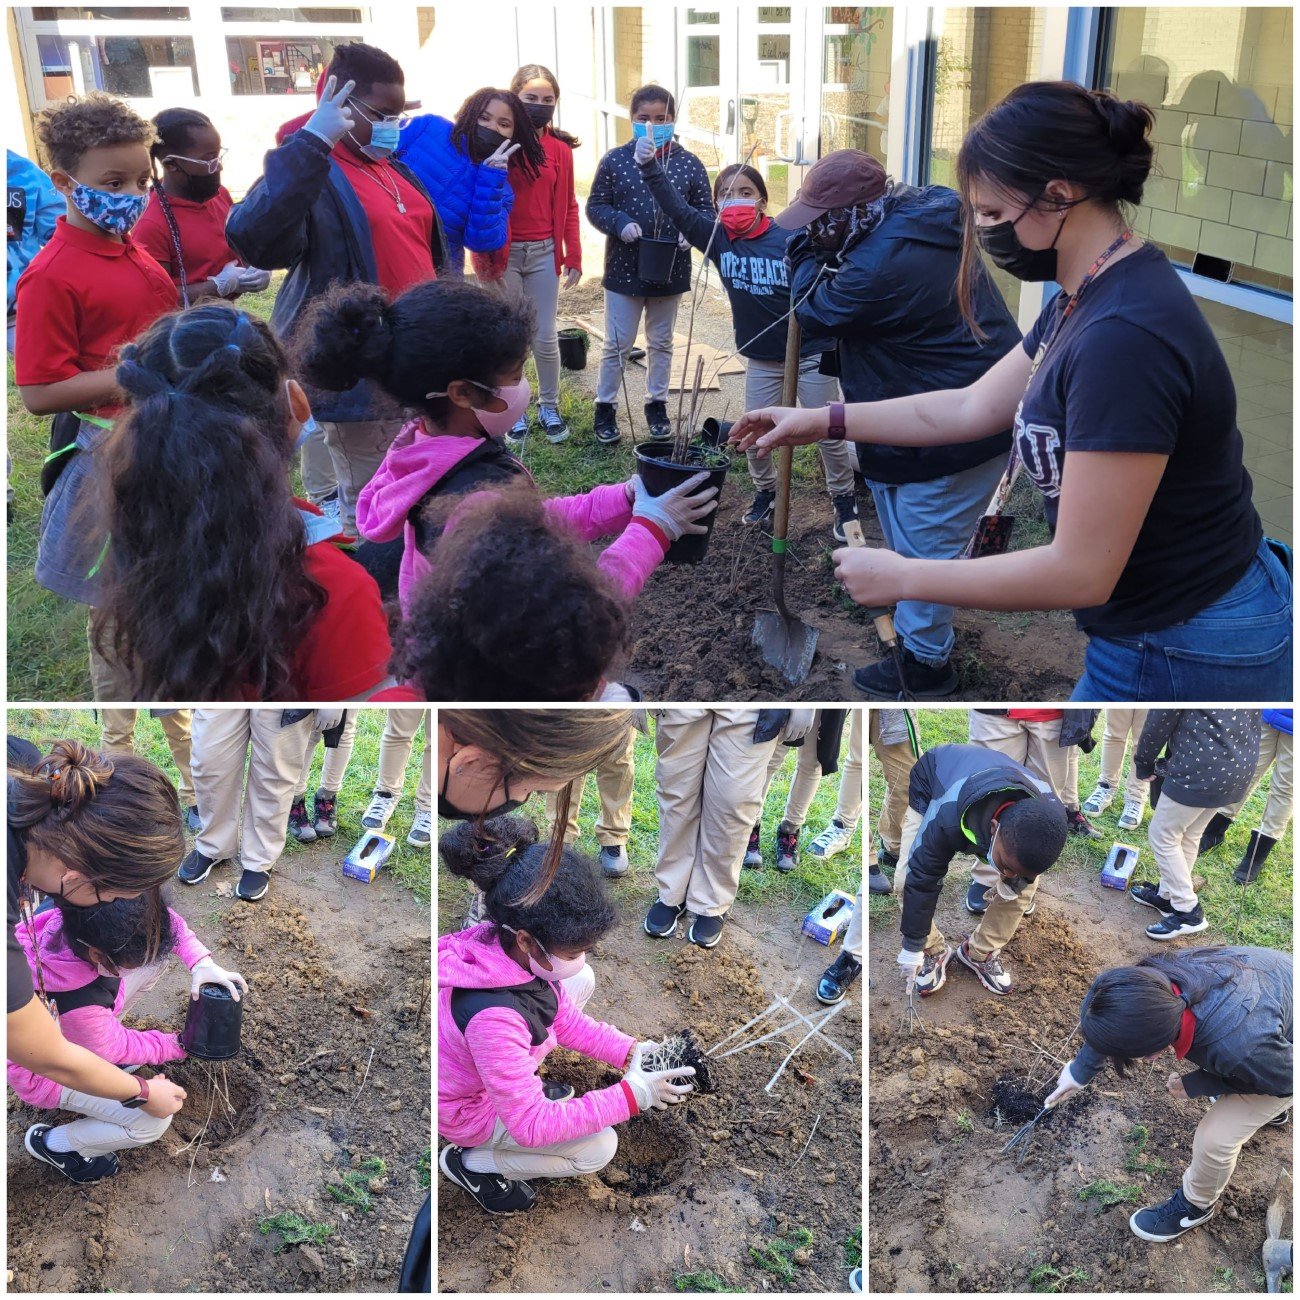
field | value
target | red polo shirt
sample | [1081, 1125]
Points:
[202, 229]
[82, 297]
[401, 240]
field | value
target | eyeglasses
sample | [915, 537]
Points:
[210, 165]
[400, 120]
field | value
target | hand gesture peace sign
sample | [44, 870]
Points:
[500, 159]
[332, 119]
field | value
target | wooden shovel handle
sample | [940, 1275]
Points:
[785, 455]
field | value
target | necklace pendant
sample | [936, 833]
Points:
[401, 207]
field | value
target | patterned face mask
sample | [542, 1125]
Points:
[116, 213]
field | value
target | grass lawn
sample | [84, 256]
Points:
[1259, 915]
[410, 866]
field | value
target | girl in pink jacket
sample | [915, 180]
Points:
[93, 963]
[452, 355]
[510, 991]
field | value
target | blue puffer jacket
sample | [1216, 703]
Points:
[892, 307]
[1278, 719]
[303, 215]
[473, 201]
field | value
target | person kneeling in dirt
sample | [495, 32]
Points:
[1228, 1011]
[509, 992]
[967, 799]
[94, 962]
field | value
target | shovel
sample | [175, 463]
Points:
[787, 643]
[1277, 1249]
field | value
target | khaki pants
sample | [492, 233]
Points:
[614, 784]
[108, 680]
[395, 752]
[848, 807]
[710, 777]
[1119, 726]
[572, 1159]
[1274, 751]
[1228, 1125]
[853, 940]
[357, 449]
[997, 927]
[119, 738]
[1175, 838]
[334, 766]
[1035, 745]
[897, 762]
[223, 740]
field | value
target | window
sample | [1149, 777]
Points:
[111, 13]
[267, 15]
[277, 65]
[139, 67]
[1221, 83]
[709, 17]
[703, 60]
[856, 69]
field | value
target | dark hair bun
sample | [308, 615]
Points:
[1128, 127]
[484, 853]
[345, 336]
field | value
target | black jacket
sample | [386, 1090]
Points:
[303, 215]
[619, 194]
[946, 784]
[1211, 758]
[892, 308]
[1241, 998]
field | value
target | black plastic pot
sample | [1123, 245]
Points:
[715, 432]
[654, 259]
[212, 1026]
[573, 348]
[660, 473]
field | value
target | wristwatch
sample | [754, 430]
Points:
[136, 1102]
[837, 431]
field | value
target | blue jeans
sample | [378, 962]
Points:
[1238, 649]
[933, 520]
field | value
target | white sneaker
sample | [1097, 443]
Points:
[1099, 800]
[421, 833]
[375, 818]
[1131, 818]
[330, 506]
[834, 839]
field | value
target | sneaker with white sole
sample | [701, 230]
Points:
[1131, 818]
[1165, 1222]
[846, 512]
[1148, 894]
[420, 835]
[989, 972]
[934, 970]
[661, 920]
[834, 839]
[332, 507]
[706, 931]
[517, 434]
[376, 816]
[252, 885]
[1101, 798]
[1176, 924]
[553, 424]
[72, 1166]
[754, 849]
[495, 1194]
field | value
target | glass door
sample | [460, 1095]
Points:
[708, 117]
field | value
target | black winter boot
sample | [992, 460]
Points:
[1213, 834]
[1252, 861]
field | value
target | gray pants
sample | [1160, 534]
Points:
[319, 480]
[763, 384]
[622, 320]
[532, 272]
[357, 449]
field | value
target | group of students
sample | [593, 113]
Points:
[1226, 1009]
[514, 982]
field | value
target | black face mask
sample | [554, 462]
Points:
[199, 189]
[449, 810]
[1002, 244]
[540, 114]
[487, 141]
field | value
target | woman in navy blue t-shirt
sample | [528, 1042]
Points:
[1125, 418]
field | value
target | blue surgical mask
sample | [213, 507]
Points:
[116, 213]
[383, 140]
[309, 426]
[659, 132]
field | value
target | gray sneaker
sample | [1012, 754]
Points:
[1131, 818]
[613, 861]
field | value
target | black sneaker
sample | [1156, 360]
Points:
[493, 1193]
[977, 898]
[553, 425]
[605, 424]
[1077, 824]
[706, 931]
[192, 822]
[837, 977]
[661, 920]
[1280, 1121]
[878, 882]
[326, 820]
[252, 885]
[558, 1091]
[72, 1166]
[300, 825]
[1176, 924]
[1216, 830]
[754, 851]
[787, 848]
[195, 868]
[657, 421]
[887, 857]
[1148, 894]
[1165, 1222]
[517, 434]
[613, 861]
[760, 510]
[846, 511]
[879, 681]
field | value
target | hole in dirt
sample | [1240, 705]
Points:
[225, 1093]
[648, 1160]
[1012, 1104]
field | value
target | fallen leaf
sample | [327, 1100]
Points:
[363, 1011]
[225, 889]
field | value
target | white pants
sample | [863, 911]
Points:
[853, 940]
[1175, 838]
[572, 1159]
[394, 751]
[106, 1126]
[622, 320]
[1119, 726]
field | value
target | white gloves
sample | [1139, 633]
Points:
[499, 159]
[683, 242]
[327, 719]
[1065, 1085]
[800, 724]
[909, 966]
[678, 510]
[644, 151]
[630, 233]
[657, 1089]
[228, 280]
[253, 280]
[570, 278]
[332, 119]
[206, 971]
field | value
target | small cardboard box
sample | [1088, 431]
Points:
[829, 920]
[368, 854]
[1119, 866]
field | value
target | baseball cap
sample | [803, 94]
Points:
[839, 180]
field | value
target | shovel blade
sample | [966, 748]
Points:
[788, 645]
